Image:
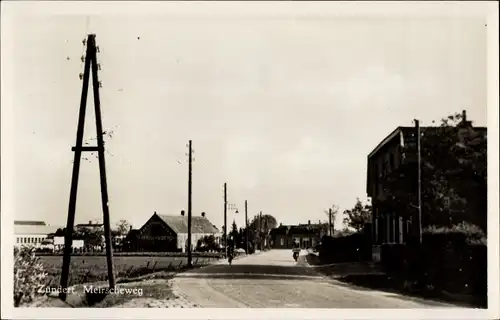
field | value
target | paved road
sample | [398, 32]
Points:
[274, 280]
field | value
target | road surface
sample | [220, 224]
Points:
[274, 280]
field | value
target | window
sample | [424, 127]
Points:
[17, 240]
[282, 241]
[385, 168]
[391, 161]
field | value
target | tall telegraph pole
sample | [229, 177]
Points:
[419, 181]
[260, 230]
[190, 258]
[330, 233]
[225, 216]
[246, 228]
[90, 63]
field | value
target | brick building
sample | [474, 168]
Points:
[392, 220]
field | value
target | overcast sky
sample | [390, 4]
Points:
[283, 108]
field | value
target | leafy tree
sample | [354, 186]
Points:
[262, 226]
[122, 227]
[332, 213]
[358, 216]
[92, 236]
[268, 222]
[453, 174]
[234, 231]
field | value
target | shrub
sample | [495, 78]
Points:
[355, 247]
[462, 233]
[457, 269]
[29, 275]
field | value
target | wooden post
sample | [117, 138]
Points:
[260, 230]
[102, 168]
[419, 182]
[246, 227]
[225, 217]
[90, 61]
[189, 206]
[330, 222]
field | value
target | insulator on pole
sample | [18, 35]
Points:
[81, 76]
[82, 58]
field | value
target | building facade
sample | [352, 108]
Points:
[306, 235]
[31, 233]
[392, 172]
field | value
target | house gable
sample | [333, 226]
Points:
[156, 222]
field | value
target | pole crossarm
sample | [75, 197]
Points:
[88, 148]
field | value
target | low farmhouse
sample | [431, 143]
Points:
[167, 233]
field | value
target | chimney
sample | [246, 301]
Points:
[281, 224]
[90, 222]
[130, 228]
[309, 222]
[182, 212]
[203, 214]
[464, 116]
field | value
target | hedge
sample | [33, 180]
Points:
[355, 247]
[141, 254]
[437, 264]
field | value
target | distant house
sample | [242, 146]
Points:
[90, 225]
[166, 233]
[279, 237]
[31, 233]
[130, 243]
[307, 235]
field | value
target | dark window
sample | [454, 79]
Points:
[385, 168]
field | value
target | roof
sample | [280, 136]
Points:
[34, 229]
[304, 228]
[179, 224]
[280, 230]
[405, 131]
[28, 223]
[87, 225]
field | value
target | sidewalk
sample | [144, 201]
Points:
[369, 274]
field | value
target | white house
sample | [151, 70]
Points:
[59, 244]
[31, 233]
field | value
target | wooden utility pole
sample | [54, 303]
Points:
[190, 258]
[260, 230]
[246, 227]
[225, 217]
[330, 222]
[419, 182]
[90, 62]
